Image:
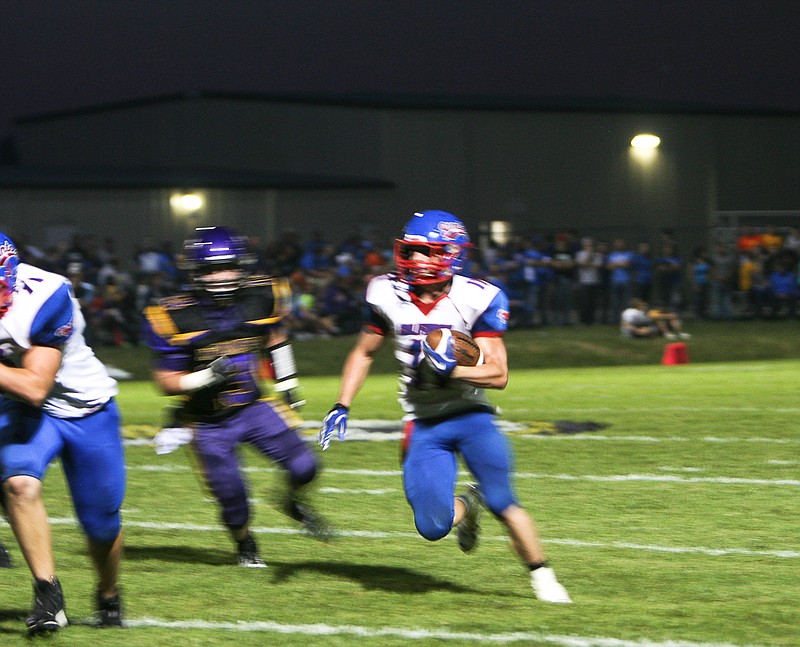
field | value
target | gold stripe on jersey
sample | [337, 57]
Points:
[164, 326]
[282, 299]
[162, 323]
[230, 348]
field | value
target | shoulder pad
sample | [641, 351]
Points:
[266, 299]
[177, 302]
[259, 280]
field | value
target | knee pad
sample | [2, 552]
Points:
[431, 530]
[431, 527]
[302, 468]
[101, 528]
[235, 513]
[497, 500]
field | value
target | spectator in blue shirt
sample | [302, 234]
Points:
[619, 262]
[783, 291]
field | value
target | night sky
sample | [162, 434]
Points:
[62, 55]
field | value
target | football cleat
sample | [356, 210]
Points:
[547, 588]
[48, 612]
[109, 611]
[314, 523]
[469, 527]
[249, 556]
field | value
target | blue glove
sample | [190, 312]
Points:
[336, 420]
[441, 358]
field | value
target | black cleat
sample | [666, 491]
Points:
[249, 556]
[109, 611]
[48, 607]
[314, 523]
[469, 527]
[5, 558]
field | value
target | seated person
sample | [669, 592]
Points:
[640, 321]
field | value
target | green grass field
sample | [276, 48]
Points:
[676, 525]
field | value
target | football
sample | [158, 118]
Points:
[466, 351]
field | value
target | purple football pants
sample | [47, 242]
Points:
[260, 425]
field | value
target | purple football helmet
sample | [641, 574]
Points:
[217, 260]
[433, 248]
[9, 260]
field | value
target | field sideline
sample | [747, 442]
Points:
[673, 526]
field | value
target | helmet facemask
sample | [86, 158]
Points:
[432, 249]
[8, 273]
[217, 262]
[425, 263]
[220, 281]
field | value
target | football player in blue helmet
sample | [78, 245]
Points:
[447, 412]
[9, 260]
[57, 399]
[433, 248]
[210, 342]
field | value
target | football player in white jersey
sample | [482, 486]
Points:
[56, 399]
[447, 412]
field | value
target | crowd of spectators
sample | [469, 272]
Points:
[557, 280]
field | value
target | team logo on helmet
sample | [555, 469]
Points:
[451, 230]
[9, 260]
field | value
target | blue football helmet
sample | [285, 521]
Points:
[9, 260]
[433, 248]
[213, 250]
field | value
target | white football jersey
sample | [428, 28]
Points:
[44, 312]
[636, 317]
[471, 306]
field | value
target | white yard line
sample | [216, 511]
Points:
[320, 629]
[608, 478]
[370, 534]
[657, 439]
[336, 490]
[522, 432]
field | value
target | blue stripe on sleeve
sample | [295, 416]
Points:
[495, 317]
[53, 324]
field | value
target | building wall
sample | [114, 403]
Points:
[542, 171]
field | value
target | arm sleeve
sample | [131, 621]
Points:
[493, 322]
[165, 356]
[53, 324]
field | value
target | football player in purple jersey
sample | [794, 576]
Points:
[209, 344]
[57, 400]
[447, 412]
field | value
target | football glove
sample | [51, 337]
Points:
[336, 420]
[222, 367]
[214, 374]
[441, 359]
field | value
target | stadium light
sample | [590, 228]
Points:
[500, 231]
[646, 141]
[184, 204]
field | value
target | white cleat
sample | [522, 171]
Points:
[547, 588]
